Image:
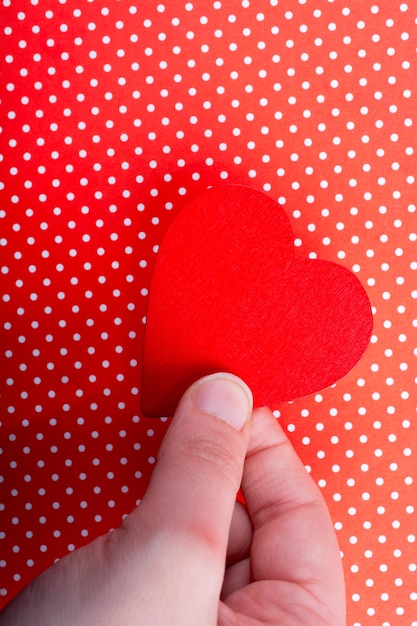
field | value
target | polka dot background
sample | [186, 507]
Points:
[113, 115]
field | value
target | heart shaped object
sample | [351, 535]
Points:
[228, 294]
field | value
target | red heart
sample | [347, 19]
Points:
[227, 294]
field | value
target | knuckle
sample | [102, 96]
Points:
[214, 457]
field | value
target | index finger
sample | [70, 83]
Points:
[294, 538]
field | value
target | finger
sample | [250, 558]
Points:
[237, 574]
[294, 539]
[240, 535]
[236, 577]
[186, 513]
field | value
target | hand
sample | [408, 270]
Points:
[189, 555]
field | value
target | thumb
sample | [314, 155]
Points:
[188, 507]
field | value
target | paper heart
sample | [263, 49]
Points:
[228, 294]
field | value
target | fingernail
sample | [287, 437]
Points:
[226, 397]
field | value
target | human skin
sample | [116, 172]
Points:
[189, 554]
